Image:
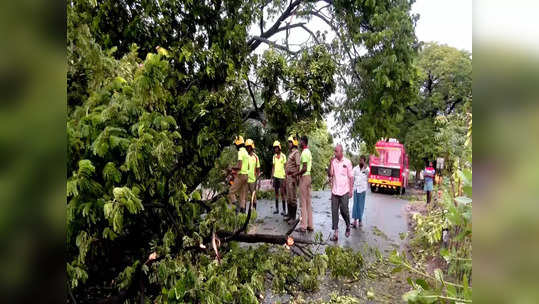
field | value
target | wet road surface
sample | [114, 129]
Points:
[384, 221]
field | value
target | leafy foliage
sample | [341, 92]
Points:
[337, 299]
[444, 231]
[156, 91]
[207, 282]
[384, 80]
[308, 83]
[437, 123]
[344, 262]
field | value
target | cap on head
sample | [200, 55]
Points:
[277, 144]
[238, 140]
[293, 140]
[250, 142]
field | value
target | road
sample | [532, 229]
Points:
[384, 221]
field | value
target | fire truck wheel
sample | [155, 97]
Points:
[403, 190]
[374, 188]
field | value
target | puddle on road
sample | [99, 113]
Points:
[384, 221]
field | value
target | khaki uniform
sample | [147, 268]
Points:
[240, 183]
[305, 191]
[292, 166]
[306, 203]
[239, 187]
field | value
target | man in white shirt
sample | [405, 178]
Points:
[361, 174]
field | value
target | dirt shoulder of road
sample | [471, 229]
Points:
[418, 205]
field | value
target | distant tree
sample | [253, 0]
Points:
[444, 99]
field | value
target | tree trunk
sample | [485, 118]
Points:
[261, 238]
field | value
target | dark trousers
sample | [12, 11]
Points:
[339, 202]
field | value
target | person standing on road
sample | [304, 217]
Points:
[421, 179]
[240, 184]
[342, 187]
[291, 169]
[361, 172]
[253, 170]
[429, 173]
[305, 187]
[277, 174]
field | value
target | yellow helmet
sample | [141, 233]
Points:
[250, 142]
[277, 144]
[293, 140]
[238, 140]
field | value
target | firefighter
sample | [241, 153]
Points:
[291, 169]
[254, 168]
[278, 176]
[240, 184]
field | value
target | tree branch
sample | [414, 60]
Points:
[311, 33]
[328, 22]
[273, 44]
[262, 19]
[252, 94]
[244, 226]
[293, 227]
[336, 30]
[254, 43]
[261, 238]
[411, 110]
[290, 26]
[453, 105]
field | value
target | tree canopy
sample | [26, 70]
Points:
[445, 99]
[157, 90]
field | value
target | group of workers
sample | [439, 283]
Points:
[288, 173]
[248, 168]
[293, 172]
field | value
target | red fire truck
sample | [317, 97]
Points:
[389, 169]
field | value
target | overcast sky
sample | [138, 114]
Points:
[444, 21]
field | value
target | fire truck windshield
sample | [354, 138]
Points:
[388, 156]
[394, 156]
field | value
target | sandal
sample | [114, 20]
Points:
[347, 232]
[334, 238]
[310, 228]
[354, 226]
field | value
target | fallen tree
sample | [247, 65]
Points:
[144, 128]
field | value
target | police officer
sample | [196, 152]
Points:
[291, 169]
